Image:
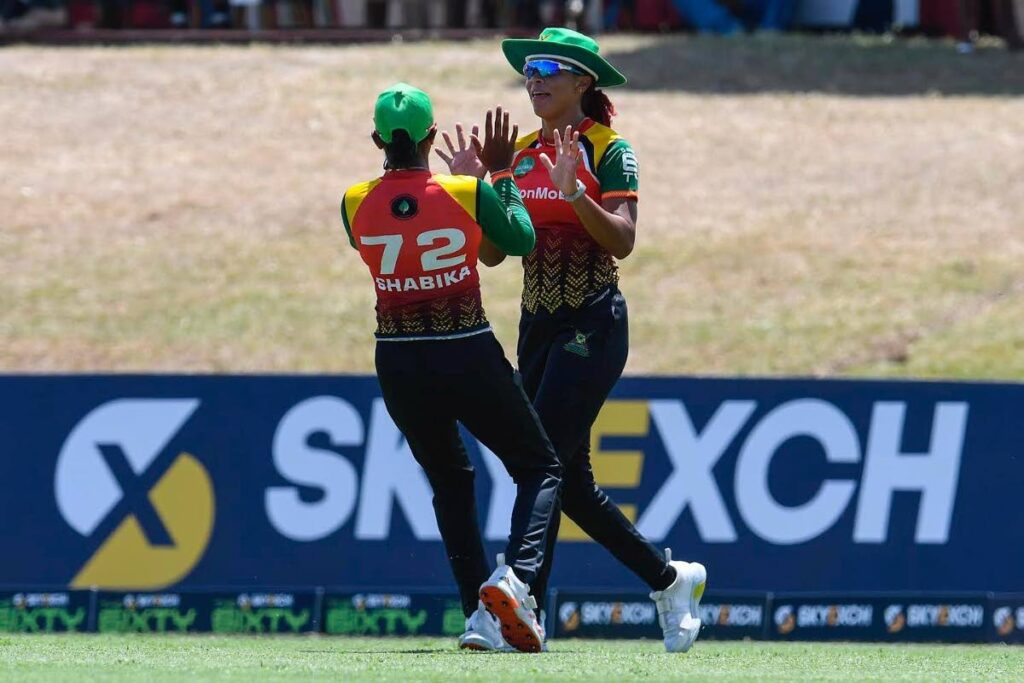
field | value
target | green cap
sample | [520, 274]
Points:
[563, 45]
[403, 107]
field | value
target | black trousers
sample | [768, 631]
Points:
[428, 386]
[570, 360]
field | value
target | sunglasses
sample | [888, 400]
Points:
[545, 68]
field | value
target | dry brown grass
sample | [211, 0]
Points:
[176, 208]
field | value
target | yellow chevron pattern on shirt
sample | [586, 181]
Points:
[463, 189]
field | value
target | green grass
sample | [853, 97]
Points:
[201, 658]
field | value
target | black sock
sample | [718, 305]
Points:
[668, 576]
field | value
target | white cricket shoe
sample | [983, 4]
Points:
[509, 599]
[483, 633]
[679, 604]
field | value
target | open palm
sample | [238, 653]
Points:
[466, 159]
[499, 146]
[567, 158]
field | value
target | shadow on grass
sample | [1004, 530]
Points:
[462, 653]
[420, 651]
[841, 65]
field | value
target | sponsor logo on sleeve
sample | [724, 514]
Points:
[630, 167]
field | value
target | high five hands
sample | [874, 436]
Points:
[464, 160]
[497, 150]
[493, 154]
[499, 142]
[567, 157]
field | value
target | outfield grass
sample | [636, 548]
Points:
[811, 206]
[202, 658]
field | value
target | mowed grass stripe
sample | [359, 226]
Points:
[251, 658]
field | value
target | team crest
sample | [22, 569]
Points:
[524, 166]
[404, 207]
[579, 344]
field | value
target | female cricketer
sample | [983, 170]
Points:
[579, 181]
[438, 361]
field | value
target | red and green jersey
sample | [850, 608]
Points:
[419, 234]
[567, 265]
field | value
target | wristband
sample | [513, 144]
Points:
[499, 175]
[581, 190]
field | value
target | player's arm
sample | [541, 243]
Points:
[490, 255]
[503, 199]
[612, 221]
[505, 222]
[344, 221]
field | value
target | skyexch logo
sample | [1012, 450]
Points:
[103, 470]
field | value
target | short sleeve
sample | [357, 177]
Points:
[344, 221]
[619, 172]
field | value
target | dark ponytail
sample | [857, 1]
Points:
[597, 106]
[401, 152]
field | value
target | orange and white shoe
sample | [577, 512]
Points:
[483, 633]
[509, 599]
[679, 604]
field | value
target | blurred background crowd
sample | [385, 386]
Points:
[963, 19]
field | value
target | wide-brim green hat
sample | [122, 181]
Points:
[567, 46]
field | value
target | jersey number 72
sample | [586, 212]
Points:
[432, 259]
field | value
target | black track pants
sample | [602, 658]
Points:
[428, 386]
[570, 360]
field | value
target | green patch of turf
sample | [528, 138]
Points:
[202, 658]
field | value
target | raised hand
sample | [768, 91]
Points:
[464, 160]
[499, 145]
[567, 157]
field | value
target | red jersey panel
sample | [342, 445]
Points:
[419, 237]
[567, 266]
[546, 205]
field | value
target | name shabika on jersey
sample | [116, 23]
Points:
[418, 235]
